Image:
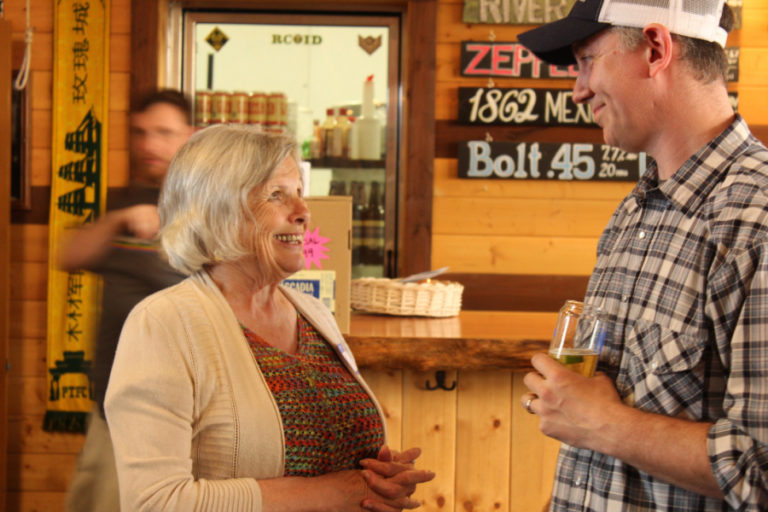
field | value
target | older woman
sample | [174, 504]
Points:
[230, 392]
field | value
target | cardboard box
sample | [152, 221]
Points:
[321, 284]
[328, 252]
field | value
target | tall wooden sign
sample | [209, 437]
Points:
[78, 190]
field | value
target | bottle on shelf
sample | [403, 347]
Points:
[353, 152]
[374, 226]
[331, 140]
[338, 188]
[316, 144]
[368, 126]
[343, 126]
[358, 208]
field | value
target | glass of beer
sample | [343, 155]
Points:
[578, 337]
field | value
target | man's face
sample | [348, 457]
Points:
[156, 135]
[612, 83]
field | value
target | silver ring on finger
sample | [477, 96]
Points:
[528, 405]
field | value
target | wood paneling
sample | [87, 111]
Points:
[519, 254]
[30, 281]
[486, 451]
[40, 471]
[120, 17]
[521, 216]
[26, 436]
[518, 292]
[41, 90]
[120, 57]
[5, 233]
[29, 320]
[429, 422]
[532, 475]
[119, 86]
[388, 388]
[28, 396]
[484, 426]
[41, 15]
[753, 22]
[28, 358]
[42, 122]
[29, 243]
[40, 168]
[36, 501]
[415, 217]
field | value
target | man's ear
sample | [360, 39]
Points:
[660, 47]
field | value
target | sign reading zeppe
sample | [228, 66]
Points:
[507, 60]
[548, 161]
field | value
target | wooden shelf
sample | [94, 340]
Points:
[473, 340]
[346, 163]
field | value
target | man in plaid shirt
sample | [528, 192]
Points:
[678, 418]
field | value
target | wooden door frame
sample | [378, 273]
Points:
[5, 242]
[150, 25]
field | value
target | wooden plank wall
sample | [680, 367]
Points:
[540, 228]
[40, 463]
[502, 228]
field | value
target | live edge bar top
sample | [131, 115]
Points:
[473, 340]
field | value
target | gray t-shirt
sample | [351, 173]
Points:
[131, 270]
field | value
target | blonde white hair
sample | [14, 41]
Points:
[204, 200]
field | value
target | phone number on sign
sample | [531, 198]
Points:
[548, 161]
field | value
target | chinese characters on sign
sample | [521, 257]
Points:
[78, 188]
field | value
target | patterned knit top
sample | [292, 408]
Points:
[329, 421]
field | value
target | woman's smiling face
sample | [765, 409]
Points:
[281, 218]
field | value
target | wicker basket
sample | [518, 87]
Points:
[429, 298]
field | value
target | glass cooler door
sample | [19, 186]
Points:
[330, 81]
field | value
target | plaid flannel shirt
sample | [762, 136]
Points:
[682, 270]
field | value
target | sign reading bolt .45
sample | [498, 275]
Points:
[548, 161]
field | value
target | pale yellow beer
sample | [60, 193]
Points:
[580, 360]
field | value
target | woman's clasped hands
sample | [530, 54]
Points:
[392, 478]
[385, 484]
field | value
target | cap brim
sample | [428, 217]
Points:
[552, 42]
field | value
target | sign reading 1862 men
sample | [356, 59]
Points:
[548, 161]
[488, 106]
[78, 188]
[515, 11]
[507, 60]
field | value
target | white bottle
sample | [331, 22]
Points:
[368, 126]
[353, 136]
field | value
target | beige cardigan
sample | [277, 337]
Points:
[193, 423]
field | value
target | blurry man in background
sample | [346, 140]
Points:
[122, 248]
[678, 420]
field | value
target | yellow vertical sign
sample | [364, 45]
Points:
[78, 196]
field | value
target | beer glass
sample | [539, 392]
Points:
[578, 337]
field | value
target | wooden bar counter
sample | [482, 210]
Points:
[452, 386]
[473, 340]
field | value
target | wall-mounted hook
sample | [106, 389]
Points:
[440, 382]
